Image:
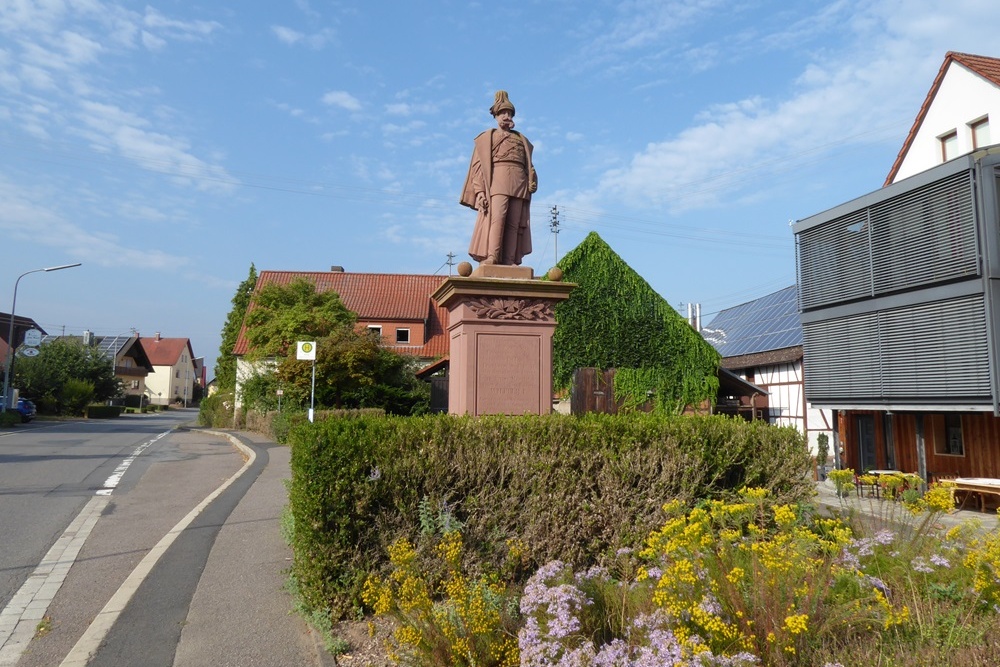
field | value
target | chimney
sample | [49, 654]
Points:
[88, 337]
[156, 336]
[336, 269]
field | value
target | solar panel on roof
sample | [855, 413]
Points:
[768, 323]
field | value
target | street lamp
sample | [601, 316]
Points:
[8, 367]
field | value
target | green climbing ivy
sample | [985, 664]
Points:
[614, 319]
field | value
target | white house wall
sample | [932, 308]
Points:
[961, 99]
[786, 401]
[167, 384]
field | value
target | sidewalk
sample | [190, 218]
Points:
[826, 495]
[241, 614]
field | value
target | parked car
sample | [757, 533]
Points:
[26, 408]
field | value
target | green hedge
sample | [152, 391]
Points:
[103, 411]
[277, 425]
[573, 488]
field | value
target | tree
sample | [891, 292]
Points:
[280, 315]
[353, 369]
[225, 364]
[44, 377]
[614, 319]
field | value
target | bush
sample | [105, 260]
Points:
[76, 395]
[574, 489]
[98, 411]
[9, 418]
[277, 425]
[216, 411]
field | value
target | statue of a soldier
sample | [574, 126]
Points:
[499, 186]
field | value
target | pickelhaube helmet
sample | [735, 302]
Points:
[501, 102]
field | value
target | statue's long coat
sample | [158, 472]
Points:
[481, 171]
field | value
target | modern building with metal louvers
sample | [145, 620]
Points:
[899, 294]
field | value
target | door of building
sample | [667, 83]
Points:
[866, 442]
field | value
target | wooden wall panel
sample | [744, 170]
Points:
[980, 438]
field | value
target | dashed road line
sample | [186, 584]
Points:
[95, 633]
[20, 618]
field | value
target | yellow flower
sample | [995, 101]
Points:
[797, 623]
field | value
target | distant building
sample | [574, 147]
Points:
[761, 342]
[125, 354]
[173, 376]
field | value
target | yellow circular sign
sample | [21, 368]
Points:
[307, 347]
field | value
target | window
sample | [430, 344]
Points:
[177, 374]
[403, 336]
[375, 329]
[949, 145]
[948, 436]
[135, 384]
[980, 133]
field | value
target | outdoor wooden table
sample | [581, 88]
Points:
[980, 487]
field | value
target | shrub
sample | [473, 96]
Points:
[98, 411]
[9, 418]
[216, 411]
[574, 489]
[76, 395]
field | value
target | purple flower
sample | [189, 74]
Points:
[884, 537]
[920, 565]
[940, 560]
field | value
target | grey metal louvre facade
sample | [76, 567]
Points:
[898, 293]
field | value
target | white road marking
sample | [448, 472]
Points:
[111, 482]
[91, 640]
[19, 619]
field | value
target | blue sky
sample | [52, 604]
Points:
[166, 145]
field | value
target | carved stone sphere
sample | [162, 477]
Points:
[555, 274]
[464, 269]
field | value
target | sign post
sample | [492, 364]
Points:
[307, 352]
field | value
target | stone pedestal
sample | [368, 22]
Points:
[500, 326]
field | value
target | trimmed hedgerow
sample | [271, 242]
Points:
[569, 488]
[103, 411]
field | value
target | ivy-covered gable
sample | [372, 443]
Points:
[614, 319]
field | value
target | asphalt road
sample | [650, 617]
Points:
[145, 476]
[50, 470]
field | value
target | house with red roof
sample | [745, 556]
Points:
[397, 307]
[955, 117]
[174, 371]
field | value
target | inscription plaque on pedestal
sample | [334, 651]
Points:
[508, 379]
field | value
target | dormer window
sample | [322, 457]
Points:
[980, 133]
[949, 145]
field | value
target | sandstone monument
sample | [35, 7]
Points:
[501, 318]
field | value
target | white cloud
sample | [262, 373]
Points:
[22, 218]
[151, 41]
[290, 36]
[286, 35]
[852, 96]
[342, 99]
[111, 128]
[177, 29]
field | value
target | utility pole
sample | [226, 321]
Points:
[450, 262]
[554, 226]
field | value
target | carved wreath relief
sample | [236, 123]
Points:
[511, 309]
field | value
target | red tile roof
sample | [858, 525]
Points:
[988, 68]
[165, 351]
[377, 297]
